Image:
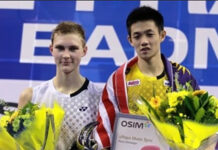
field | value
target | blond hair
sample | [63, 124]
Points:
[67, 27]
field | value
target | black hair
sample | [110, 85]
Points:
[144, 13]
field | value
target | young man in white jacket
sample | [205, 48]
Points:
[77, 95]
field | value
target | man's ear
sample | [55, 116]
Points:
[51, 49]
[162, 35]
[85, 49]
[130, 40]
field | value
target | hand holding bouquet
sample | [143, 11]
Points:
[31, 127]
[186, 119]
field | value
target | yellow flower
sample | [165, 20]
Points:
[176, 98]
[155, 102]
[13, 116]
[169, 110]
[172, 97]
[198, 92]
[183, 94]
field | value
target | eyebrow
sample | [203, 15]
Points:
[73, 46]
[149, 30]
[146, 31]
[59, 46]
[68, 47]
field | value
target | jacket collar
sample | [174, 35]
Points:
[167, 66]
[169, 70]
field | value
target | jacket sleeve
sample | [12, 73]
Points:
[106, 115]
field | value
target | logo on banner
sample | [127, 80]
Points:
[135, 124]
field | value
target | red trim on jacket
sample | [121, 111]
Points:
[120, 88]
[103, 133]
[120, 91]
[109, 107]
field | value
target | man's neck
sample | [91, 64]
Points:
[68, 83]
[152, 67]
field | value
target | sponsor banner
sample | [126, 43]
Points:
[25, 27]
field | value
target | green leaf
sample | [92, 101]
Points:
[16, 124]
[47, 125]
[196, 103]
[187, 103]
[27, 123]
[179, 86]
[200, 113]
[203, 98]
[29, 108]
[179, 123]
[189, 86]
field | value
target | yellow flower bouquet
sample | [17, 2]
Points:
[187, 119]
[31, 128]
